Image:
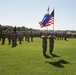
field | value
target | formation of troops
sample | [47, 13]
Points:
[14, 36]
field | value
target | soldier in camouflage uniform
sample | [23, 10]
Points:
[31, 35]
[20, 37]
[51, 42]
[9, 37]
[0, 32]
[14, 39]
[3, 37]
[44, 43]
[65, 36]
[28, 36]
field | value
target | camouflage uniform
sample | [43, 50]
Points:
[9, 37]
[14, 39]
[65, 36]
[28, 36]
[51, 43]
[3, 37]
[0, 34]
[31, 35]
[20, 38]
[44, 44]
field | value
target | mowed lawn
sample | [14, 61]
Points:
[27, 58]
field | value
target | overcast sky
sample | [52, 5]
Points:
[29, 13]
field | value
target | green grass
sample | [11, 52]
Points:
[27, 58]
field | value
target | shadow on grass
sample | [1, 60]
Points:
[47, 56]
[54, 55]
[59, 63]
[66, 40]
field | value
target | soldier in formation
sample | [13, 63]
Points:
[31, 35]
[20, 37]
[14, 39]
[51, 42]
[44, 43]
[3, 37]
[9, 37]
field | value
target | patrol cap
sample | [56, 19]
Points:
[51, 32]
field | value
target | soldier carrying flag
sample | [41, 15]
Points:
[47, 21]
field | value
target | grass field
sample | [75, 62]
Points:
[27, 58]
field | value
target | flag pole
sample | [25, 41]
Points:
[54, 19]
[47, 26]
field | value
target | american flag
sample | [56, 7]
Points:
[51, 21]
[47, 20]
